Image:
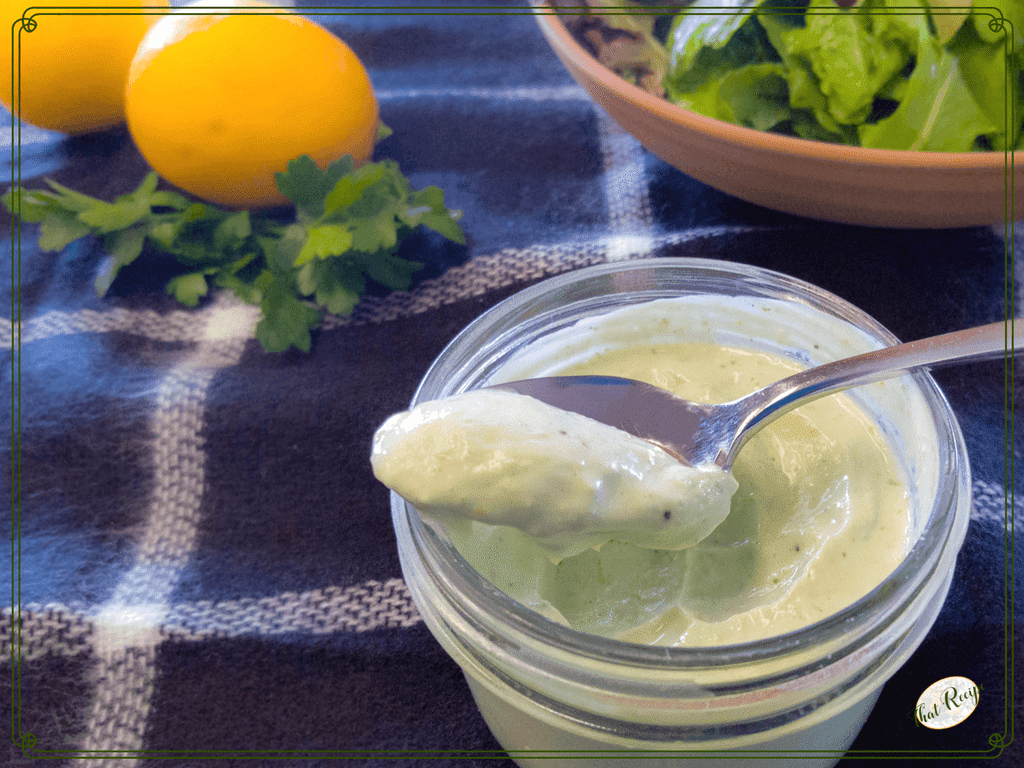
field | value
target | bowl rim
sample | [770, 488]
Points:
[548, 17]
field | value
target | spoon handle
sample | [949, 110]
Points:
[982, 343]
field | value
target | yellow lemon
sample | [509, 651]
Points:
[73, 66]
[218, 103]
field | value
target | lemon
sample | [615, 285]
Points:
[73, 67]
[217, 103]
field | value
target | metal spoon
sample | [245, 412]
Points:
[701, 434]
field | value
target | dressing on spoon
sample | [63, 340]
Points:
[567, 480]
[820, 515]
[573, 482]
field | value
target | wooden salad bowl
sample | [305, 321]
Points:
[832, 182]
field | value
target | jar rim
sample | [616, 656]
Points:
[942, 531]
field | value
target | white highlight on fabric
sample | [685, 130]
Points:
[992, 505]
[625, 247]
[231, 318]
[117, 627]
[626, 192]
[30, 134]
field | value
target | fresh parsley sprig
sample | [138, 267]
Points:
[347, 226]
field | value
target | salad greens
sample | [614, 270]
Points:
[345, 228]
[892, 74]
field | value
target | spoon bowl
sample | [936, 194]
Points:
[701, 434]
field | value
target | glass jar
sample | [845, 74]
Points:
[552, 695]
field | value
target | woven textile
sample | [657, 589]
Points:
[204, 565]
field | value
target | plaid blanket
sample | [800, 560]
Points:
[202, 564]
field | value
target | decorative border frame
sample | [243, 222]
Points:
[997, 742]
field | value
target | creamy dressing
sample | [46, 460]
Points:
[820, 516]
[567, 481]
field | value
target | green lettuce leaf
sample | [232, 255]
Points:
[983, 61]
[875, 74]
[756, 96]
[704, 47]
[938, 112]
[851, 56]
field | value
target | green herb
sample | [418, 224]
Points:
[345, 229]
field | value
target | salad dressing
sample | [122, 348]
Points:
[567, 481]
[819, 515]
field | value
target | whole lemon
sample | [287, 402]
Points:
[217, 103]
[73, 66]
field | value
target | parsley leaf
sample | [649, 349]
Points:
[60, 228]
[307, 186]
[346, 228]
[324, 241]
[286, 320]
[188, 288]
[124, 247]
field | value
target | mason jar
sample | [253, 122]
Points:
[553, 695]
